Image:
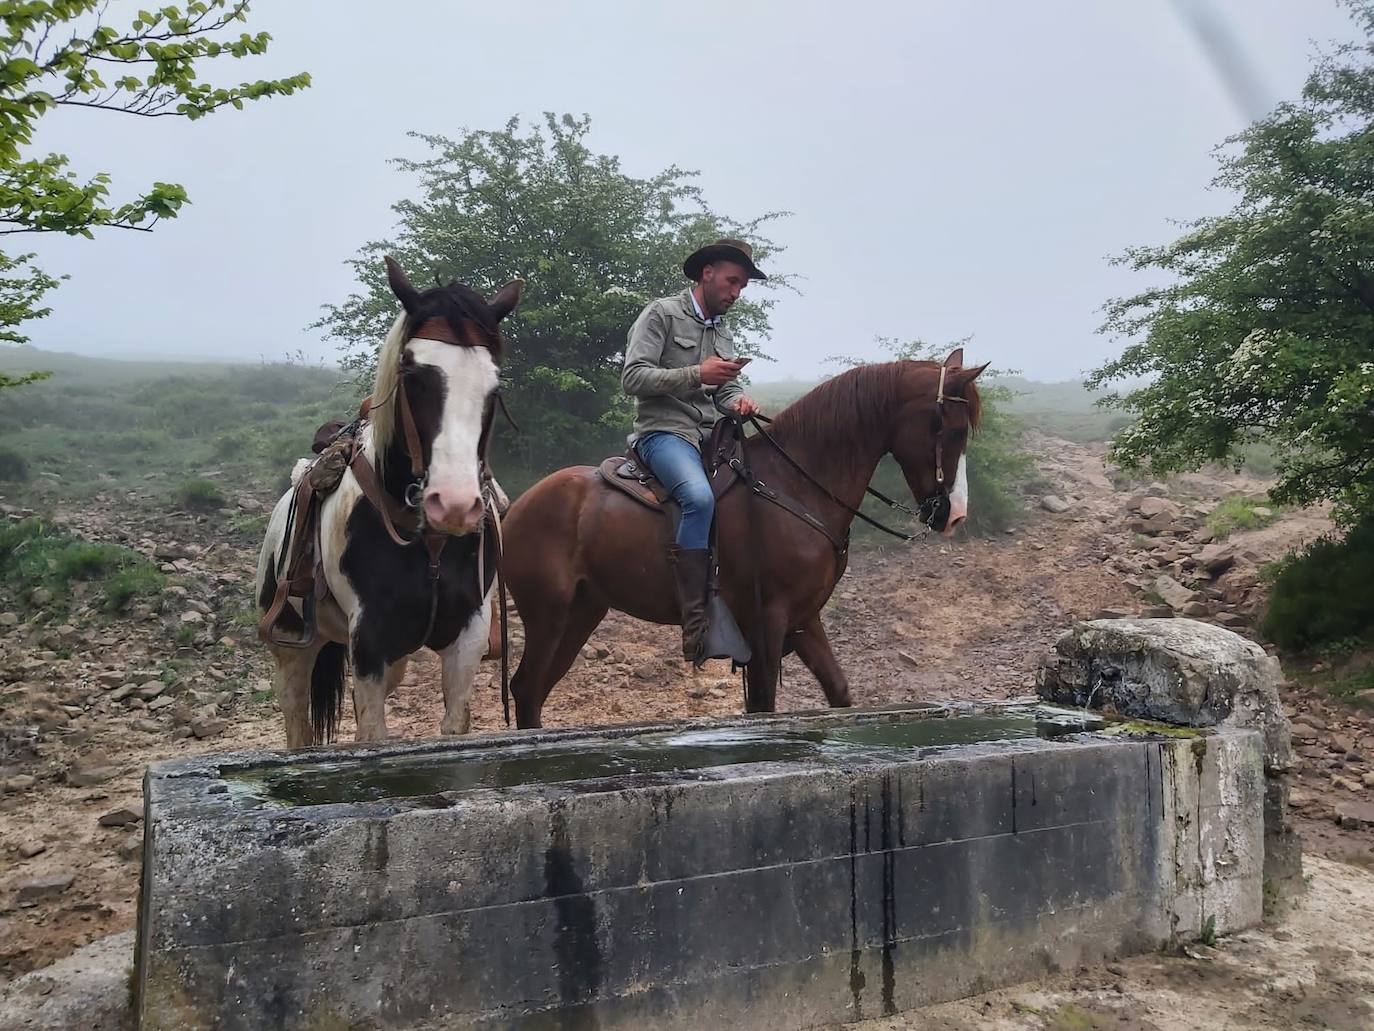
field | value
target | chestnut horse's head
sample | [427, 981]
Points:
[937, 407]
[439, 370]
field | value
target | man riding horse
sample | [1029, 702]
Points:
[682, 371]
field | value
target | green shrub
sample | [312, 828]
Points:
[137, 580]
[34, 554]
[15, 535]
[199, 496]
[1238, 513]
[1322, 595]
[87, 560]
[14, 467]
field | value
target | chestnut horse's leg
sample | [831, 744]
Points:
[582, 620]
[813, 648]
[530, 684]
[762, 693]
[553, 639]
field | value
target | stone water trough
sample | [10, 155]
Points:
[753, 872]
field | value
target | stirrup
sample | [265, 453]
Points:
[307, 636]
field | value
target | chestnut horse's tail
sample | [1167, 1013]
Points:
[327, 690]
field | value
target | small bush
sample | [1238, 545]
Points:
[34, 554]
[141, 580]
[16, 535]
[1321, 595]
[199, 496]
[1238, 513]
[232, 445]
[14, 467]
[86, 560]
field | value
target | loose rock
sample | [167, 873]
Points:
[49, 886]
[203, 728]
[122, 817]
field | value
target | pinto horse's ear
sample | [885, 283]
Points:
[400, 286]
[955, 359]
[503, 302]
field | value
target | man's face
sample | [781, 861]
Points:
[721, 282]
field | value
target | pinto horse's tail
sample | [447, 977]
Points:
[327, 690]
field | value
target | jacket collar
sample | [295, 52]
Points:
[689, 307]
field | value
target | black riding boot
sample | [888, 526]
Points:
[691, 567]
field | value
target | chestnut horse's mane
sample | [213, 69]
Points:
[855, 408]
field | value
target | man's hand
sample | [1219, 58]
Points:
[716, 371]
[746, 406]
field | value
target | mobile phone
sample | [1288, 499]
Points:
[741, 362]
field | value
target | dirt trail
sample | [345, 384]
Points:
[969, 619]
[1315, 971]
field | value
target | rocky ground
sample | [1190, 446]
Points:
[86, 703]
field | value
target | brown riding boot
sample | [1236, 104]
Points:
[690, 570]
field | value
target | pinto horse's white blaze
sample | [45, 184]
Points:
[453, 489]
[958, 497]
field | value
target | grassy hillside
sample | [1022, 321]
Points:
[100, 424]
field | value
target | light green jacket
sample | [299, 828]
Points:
[667, 344]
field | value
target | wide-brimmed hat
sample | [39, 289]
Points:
[722, 250]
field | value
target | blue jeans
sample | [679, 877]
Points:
[677, 464]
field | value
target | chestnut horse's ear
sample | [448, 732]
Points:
[400, 286]
[503, 302]
[955, 359]
[961, 378]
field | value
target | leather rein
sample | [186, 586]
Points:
[926, 512]
[409, 514]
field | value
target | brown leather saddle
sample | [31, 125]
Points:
[627, 474]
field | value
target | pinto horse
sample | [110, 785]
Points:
[578, 547]
[437, 377]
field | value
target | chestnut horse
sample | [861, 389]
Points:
[576, 547]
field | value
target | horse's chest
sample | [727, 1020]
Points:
[396, 594]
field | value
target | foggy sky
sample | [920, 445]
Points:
[955, 168]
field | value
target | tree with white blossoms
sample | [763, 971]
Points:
[1266, 328]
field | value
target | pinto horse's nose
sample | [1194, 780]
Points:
[452, 510]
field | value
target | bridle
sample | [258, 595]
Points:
[932, 510]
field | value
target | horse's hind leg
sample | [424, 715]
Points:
[584, 617]
[813, 648]
[291, 685]
[553, 637]
[460, 661]
[543, 631]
